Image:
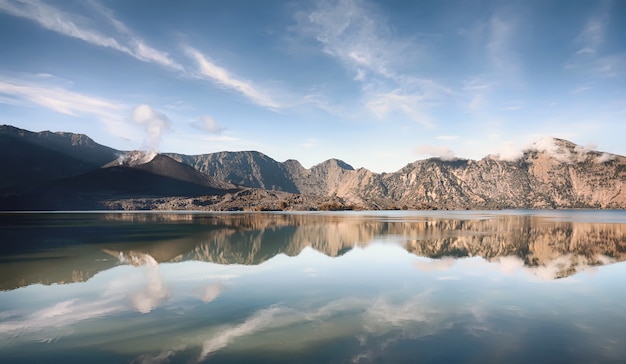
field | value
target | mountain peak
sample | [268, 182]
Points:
[133, 158]
[333, 162]
[565, 151]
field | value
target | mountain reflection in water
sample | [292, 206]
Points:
[72, 248]
[490, 286]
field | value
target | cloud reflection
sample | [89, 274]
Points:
[209, 293]
[558, 267]
[58, 316]
[154, 293]
[430, 265]
[260, 320]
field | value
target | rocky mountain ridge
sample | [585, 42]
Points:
[553, 173]
[559, 175]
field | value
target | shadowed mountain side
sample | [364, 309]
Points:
[247, 168]
[547, 248]
[162, 165]
[160, 177]
[32, 158]
[124, 181]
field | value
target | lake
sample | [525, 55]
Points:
[352, 287]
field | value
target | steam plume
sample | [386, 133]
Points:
[153, 122]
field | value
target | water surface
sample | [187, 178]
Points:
[358, 287]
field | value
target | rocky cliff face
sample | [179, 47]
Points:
[552, 174]
[248, 168]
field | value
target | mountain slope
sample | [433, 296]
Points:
[32, 158]
[248, 168]
[554, 173]
[159, 177]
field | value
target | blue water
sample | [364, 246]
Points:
[356, 287]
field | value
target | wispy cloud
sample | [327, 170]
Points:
[74, 26]
[260, 320]
[358, 36]
[438, 151]
[211, 125]
[447, 137]
[310, 143]
[591, 55]
[495, 38]
[592, 35]
[412, 105]
[221, 76]
[140, 49]
[501, 31]
[121, 38]
[58, 99]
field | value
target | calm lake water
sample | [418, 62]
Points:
[358, 287]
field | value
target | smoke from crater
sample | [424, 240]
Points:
[154, 124]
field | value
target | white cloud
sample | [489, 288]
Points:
[153, 122]
[140, 49]
[355, 35]
[74, 26]
[358, 36]
[605, 157]
[441, 152]
[411, 105]
[447, 137]
[210, 125]
[58, 21]
[552, 147]
[508, 151]
[223, 78]
[501, 32]
[60, 100]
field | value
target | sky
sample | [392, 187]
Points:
[375, 84]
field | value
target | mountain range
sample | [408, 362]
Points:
[61, 171]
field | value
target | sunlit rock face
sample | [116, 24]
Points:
[552, 173]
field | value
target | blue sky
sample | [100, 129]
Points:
[376, 84]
